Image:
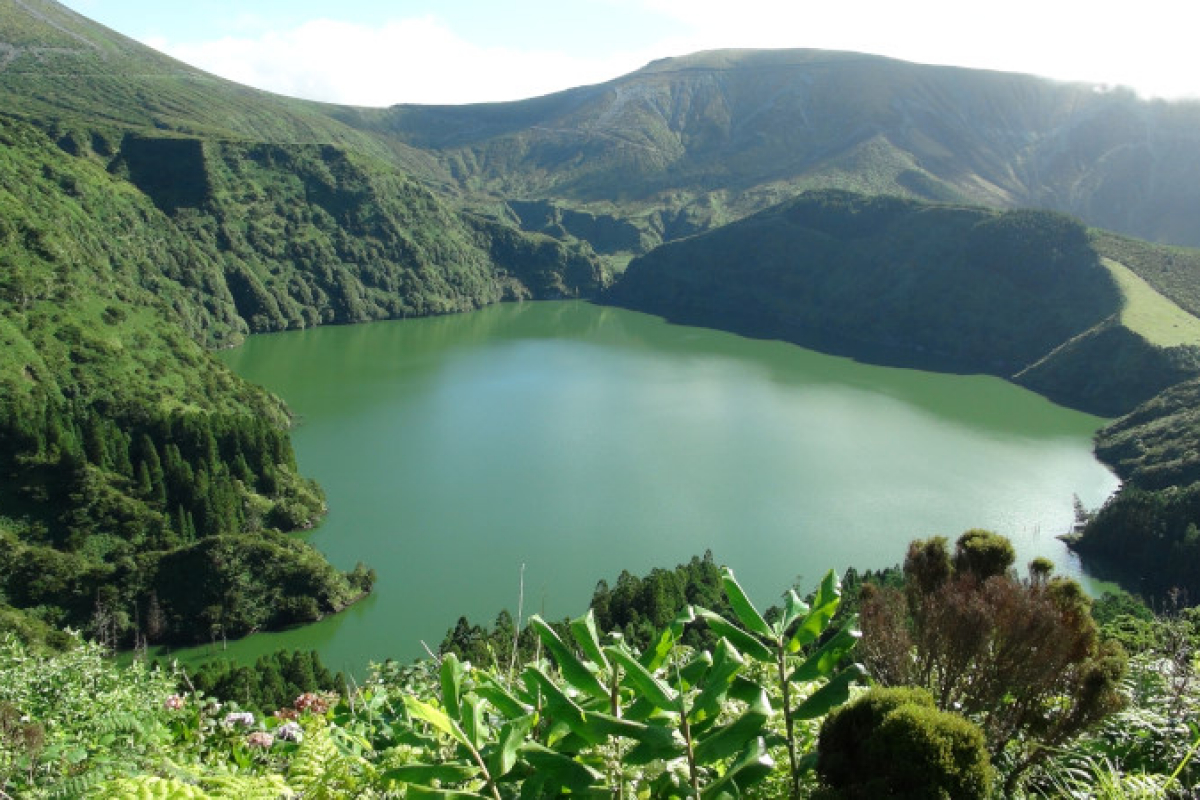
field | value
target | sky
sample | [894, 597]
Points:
[382, 52]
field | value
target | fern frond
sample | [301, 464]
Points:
[148, 787]
[247, 787]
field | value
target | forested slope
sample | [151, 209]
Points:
[1023, 295]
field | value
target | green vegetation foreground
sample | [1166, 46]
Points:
[591, 714]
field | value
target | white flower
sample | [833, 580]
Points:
[290, 732]
[243, 718]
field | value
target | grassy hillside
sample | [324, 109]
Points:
[62, 71]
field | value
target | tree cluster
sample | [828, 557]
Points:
[272, 683]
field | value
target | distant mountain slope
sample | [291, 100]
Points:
[1023, 294]
[748, 128]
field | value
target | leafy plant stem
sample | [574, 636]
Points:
[512, 662]
[687, 736]
[1183, 763]
[789, 724]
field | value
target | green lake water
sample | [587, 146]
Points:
[578, 441]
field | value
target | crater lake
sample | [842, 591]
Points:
[570, 441]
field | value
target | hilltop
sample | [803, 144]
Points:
[686, 144]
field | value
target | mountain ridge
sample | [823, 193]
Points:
[754, 126]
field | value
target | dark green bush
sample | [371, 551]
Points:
[896, 743]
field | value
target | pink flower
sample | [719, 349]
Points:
[174, 703]
[260, 739]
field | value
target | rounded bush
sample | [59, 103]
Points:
[894, 743]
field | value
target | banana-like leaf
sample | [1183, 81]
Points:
[451, 675]
[471, 720]
[739, 638]
[825, 605]
[584, 631]
[557, 701]
[751, 767]
[693, 672]
[512, 737]
[419, 791]
[663, 745]
[660, 740]
[643, 681]
[723, 742]
[558, 769]
[499, 696]
[832, 694]
[424, 774]
[793, 609]
[573, 670]
[656, 655]
[742, 607]
[726, 663]
[822, 663]
[437, 718]
[744, 689]
[594, 727]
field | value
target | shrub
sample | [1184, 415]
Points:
[896, 743]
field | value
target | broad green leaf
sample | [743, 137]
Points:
[656, 655]
[744, 689]
[561, 770]
[743, 641]
[499, 696]
[471, 720]
[793, 609]
[584, 631]
[642, 681]
[694, 671]
[660, 740]
[640, 709]
[831, 695]
[822, 663]
[751, 767]
[556, 699]
[726, 663]
[745, 610]
[594, 727]
[418, 791]
[512, 736]
[427, 773]
[437, 718]
[451, 675]
[573, 670]
[723, 742]
[825, 605]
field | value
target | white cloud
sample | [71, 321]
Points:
[416, 60]
[1149, 45]
[423, 60]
